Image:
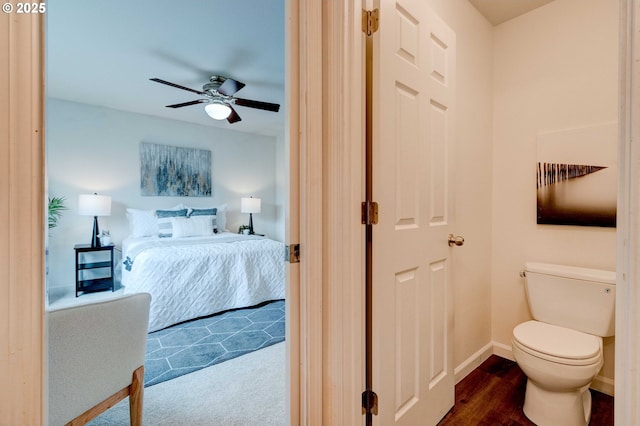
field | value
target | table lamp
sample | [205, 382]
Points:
[94, 205]
[250, 205]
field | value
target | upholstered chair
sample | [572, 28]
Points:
[96, 358]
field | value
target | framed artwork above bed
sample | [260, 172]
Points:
[174, 171]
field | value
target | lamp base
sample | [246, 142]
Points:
[251, 224]
[95, 241]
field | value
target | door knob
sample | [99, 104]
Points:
[455, 240]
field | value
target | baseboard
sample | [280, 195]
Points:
[471, 363]
[604, 385]
[59, 292]
[503, 351]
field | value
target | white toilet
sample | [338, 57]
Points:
[560, 350]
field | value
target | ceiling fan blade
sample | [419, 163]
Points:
[257, 104]
[184, 104]
[230, 86]
[168, 83]
[233, 117]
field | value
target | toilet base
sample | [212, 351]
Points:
[545, 408]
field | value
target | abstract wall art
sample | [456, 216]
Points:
[174, 171]
[576, 176]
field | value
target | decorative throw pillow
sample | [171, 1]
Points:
[210, 214]
[203, 212]
[198, 226]
[165, 227]
[142, 223]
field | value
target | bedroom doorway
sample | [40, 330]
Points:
[109, 165]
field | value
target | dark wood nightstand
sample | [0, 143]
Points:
[94, 268]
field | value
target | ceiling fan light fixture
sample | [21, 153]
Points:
[218, 110]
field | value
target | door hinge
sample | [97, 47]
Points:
[370, 21]
[369, 402]
[292, 253]
[369, 213]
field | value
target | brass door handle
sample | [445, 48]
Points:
[455, 240]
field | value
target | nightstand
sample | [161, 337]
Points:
[94, 268]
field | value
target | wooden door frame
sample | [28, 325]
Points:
[21, 219]
[304, 77]
[329, 102]
[343, 187]
[627, 378]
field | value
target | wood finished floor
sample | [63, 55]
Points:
[493, 394]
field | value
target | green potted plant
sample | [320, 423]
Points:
[55, 208]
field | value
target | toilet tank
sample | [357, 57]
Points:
[578, 298]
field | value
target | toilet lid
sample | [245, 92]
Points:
[556, 341]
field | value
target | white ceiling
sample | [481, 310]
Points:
[499, 11]
[104, 52]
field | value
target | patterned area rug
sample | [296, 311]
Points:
[193, 345]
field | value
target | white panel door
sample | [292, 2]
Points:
[414, 96]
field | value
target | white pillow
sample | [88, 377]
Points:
[142, 223]
[197, 226]
[221, 218]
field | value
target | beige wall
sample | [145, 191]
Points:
[554, 68]
[472, 176]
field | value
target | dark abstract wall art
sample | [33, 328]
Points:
[576, 177]
[174, 171]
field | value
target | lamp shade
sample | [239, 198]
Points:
[250, 205]
[217, 110]
[94, 205]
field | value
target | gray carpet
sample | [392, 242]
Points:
[193, 345]
[248, 390]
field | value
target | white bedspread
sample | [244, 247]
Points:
[198, 276]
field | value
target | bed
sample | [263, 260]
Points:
[192, 277]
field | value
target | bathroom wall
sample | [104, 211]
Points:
[555, 68]
[472, 178]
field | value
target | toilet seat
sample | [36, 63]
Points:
[557, 344]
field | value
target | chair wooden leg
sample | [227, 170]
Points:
[93, 412]
[136, 394]
[135, 391]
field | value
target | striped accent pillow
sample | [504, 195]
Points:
[164, 221]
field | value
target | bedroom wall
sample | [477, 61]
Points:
[94, 149]
[555, 68]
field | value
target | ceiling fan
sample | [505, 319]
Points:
[219, 98]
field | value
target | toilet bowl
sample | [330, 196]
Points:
[560, 350]
[560, 364]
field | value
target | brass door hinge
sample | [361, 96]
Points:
[369, 213]
[370, 21]
[292, 253]
[369, 402]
